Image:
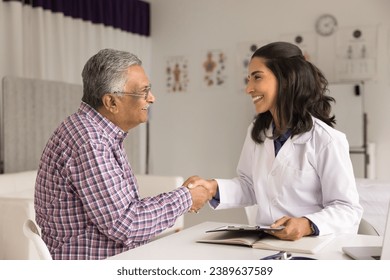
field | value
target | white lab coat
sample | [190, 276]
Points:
[311, 176]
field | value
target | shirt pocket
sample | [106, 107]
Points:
[299, 188]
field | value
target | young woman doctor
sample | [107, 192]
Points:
[293, 164]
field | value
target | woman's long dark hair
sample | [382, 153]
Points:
[301, 92]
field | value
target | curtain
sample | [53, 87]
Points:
[36, 42]
[128, 15]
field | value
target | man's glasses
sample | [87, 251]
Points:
[144, 93]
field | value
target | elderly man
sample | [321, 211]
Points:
[86, 195]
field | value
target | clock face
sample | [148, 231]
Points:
[326, 25]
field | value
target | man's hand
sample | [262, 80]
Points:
[195, 181]
[200, 195]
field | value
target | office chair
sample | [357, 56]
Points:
[30, 230]
[366, 228]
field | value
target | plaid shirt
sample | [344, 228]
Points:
[86, 196]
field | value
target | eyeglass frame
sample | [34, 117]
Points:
[146, 91]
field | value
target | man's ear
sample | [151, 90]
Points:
[109, 102]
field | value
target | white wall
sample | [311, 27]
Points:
[202, 131]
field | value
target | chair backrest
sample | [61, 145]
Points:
[366, 228]
[30, 230]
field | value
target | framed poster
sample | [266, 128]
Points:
[176, 74]
[214, 68]
[356, 52]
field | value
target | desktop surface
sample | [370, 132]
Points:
[183, 246]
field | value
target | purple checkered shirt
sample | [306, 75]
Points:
[86, 196]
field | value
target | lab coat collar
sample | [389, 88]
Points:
[304, 137]
[284, 152]
[289, 144]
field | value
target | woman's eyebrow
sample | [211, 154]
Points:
[255, 72]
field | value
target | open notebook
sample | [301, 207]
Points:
[261, 240]
[372, 252]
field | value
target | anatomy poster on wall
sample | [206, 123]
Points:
[306, 41]
[177, 74]
[244, 54]
[356, 51]
[214, 68]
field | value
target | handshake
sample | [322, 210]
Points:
[201, 191]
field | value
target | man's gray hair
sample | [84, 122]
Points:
[106, 72]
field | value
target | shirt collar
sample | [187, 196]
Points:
[109, 127]
[283, 137]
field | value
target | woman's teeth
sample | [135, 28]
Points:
[255, 98]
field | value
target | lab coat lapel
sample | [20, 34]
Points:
[283, 153]
[289, 146]
[286, 150]
[269, 145]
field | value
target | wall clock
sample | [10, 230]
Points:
[326, 25]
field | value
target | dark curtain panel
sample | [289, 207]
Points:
[128, 15]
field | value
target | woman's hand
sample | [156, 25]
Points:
[195, 181]
[295, 228]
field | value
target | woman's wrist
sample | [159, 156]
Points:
[213, 187]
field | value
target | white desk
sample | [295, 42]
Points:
[183, 246]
